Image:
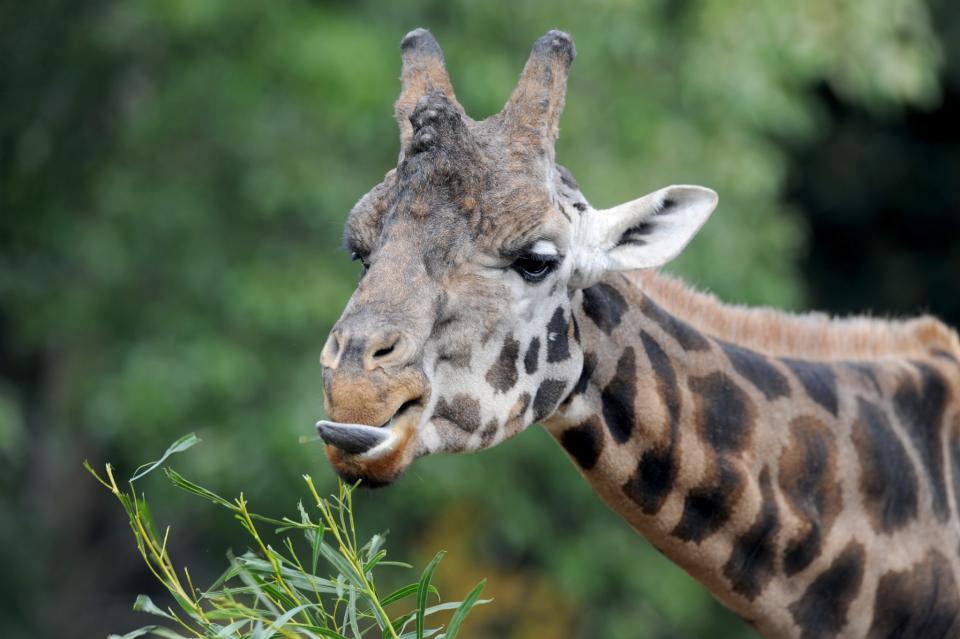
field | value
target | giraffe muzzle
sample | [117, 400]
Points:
[377, 455]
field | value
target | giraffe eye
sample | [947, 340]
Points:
[533, 267]
[356, 256]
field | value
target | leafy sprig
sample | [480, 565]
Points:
[274, 591]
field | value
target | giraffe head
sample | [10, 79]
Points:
[460, 332]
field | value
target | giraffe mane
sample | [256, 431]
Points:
[809, 335]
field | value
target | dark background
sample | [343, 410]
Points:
[174, 176]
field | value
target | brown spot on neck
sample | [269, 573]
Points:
[809, 480]
[888, 481]
[921, 411]
[751, 564]
[724, 413]
[920, 602]
[822, 610]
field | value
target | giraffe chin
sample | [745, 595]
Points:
[375, 456]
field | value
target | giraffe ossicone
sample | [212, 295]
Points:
[805, 469]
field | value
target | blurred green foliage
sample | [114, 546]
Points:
[174, 175]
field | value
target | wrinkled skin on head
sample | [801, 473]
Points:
[460, 333]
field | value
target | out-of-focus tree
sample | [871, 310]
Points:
[174, 175]
[880, 190]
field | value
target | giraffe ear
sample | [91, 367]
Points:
[643, 233]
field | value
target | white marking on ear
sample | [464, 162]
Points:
[644, 233]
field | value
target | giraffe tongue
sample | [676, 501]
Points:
[351, 438]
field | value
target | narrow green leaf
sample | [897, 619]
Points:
[185, 484]
[156, 631]
[374, 545]
[451, 605]
[315, 537]
[145, 604]
[426, 633]
[400, 623]
[166, 633]
[423, 589]
[463, 611]
[342, 565]
[230, 631]
[402, 593]
[143, 510]
[352, 614]
[184, 443]
[323, 632]
[282, 620]
[139, 632]
[232, 570]
[373, 561]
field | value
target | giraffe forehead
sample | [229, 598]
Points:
[446, 226]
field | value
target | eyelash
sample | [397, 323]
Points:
[533, 267]
[357, 256]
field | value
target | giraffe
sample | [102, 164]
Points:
[805, 469]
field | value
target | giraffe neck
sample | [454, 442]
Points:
[814, 498]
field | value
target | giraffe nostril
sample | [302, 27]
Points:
[385, 349]
[383, 352]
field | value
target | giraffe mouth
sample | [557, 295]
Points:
[365, 441]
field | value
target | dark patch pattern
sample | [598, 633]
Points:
[821, 611]
[515, 420]
[584, 443]
[548, 396]
[688, 337]
[458, 357]
[868, 375]
[488, 433]
[758, 370]
[819, 380]
[808, 480]
[751, 563]
[921, 412]
[604, 305]
[463, 411]
[656, 471]
[589, 366]
[921, 602]
[567, 177]
[531, 360]
[650, 484]
[503, 374]
[707, 508]
[618, 397]
[724, 413]
[667, 386]
[888, 481]
[635, 234]
[558, 343]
